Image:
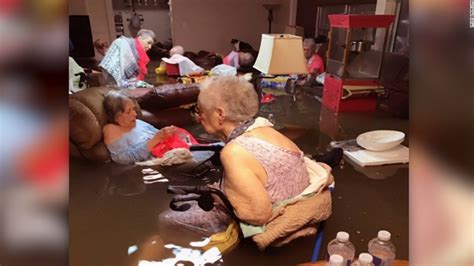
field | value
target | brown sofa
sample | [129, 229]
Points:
[160, 106]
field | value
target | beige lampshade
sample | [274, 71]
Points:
[281, 54]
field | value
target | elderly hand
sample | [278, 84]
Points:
[160, 135]
[167, 132]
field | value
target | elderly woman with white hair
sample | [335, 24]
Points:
[125, 62]
[256, 158]
[262, 167]
[180, 64]
[127, 138]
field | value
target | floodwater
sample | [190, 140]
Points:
[114, 213]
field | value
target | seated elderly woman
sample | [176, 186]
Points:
[239, 59]
[127, 138]
[256, 162]
[262, 167]
[125, 62]
[180, 65]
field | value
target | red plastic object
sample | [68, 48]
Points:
[46, 166]
[172, 69]
[361, 21]
[267, 98]
[332, 93]
[181, 139]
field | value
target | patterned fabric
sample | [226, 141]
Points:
[232, 59]
[287, 175]
[240, 129]
[120, 61]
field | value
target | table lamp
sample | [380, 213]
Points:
[280, 54]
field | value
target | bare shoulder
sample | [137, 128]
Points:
[237, 158]
[274, 137]
[111, 133]
[232, 151]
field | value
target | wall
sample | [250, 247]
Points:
[77, 7]
[385, 7]
[99, 12]
[307, 12]
[157, 20]
[101, 16]
[306, 16]
[211, 24]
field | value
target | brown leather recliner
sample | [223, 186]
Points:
[161, 106]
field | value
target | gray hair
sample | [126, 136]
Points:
[309, 42]
[177, 49]
[237, 96]
[146, 33]
[246, 59]
[114, 104]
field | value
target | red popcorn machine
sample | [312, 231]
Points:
[354, 61]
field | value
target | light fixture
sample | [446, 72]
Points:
[270, 8]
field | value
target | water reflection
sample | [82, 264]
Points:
[124, 180]
[111, 209]
[183, 255]
[152, 252]
[378, 172]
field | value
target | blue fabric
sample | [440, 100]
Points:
[131, 147]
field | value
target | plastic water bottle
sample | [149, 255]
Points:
[335, 260]
[382, 249]
[365, 259]
[342, 246]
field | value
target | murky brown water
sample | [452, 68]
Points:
[114, 215]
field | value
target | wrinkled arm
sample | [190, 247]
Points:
[242, 187]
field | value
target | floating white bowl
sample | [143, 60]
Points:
[380, 140]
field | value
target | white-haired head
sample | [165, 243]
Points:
[146, 33]
[146, 38]
[235, 95]
[309, 47]
[177, 49]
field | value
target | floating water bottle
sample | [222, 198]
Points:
[335, 260]
[342, 246]
[382, 249]
[365, 259]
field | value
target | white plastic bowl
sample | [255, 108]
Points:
[380, 140]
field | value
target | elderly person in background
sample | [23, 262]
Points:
[314, 62]
[127, 138]
[125, 63]
[239, 59]
[178, 64]
[241, 55]
[101, 46]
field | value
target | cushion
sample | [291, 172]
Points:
[165, 96]
[84, 128]
[93, 98]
